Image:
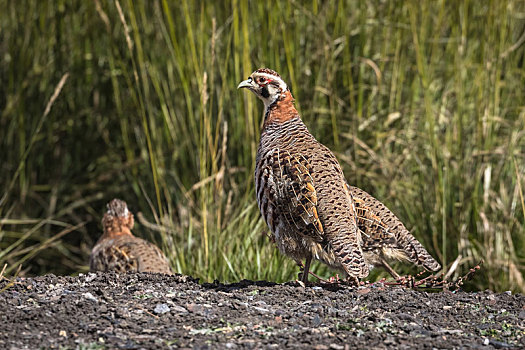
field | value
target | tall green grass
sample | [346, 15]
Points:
[422, 101]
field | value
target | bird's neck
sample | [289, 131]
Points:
[116, 227]
[281, 110]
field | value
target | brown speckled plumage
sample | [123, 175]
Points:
[301, 188]
[305, 200]
[118, 250]
[385, 236]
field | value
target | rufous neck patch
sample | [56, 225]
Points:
[282, 110]
[116, 226]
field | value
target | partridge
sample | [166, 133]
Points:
[120, 251]
[300, 186]
[306, 202]
[385, 237]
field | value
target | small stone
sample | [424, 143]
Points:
[196, 308]
[161, 309]
[261, 310]
[179, 309]
[316, 321]
[336, 347]
[90, 296]
[363, 291]
[90, 277]
[447, 307]
[499, 344]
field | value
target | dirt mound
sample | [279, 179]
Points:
[136, 311]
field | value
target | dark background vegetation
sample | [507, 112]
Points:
[423, 102]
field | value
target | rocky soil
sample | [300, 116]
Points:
[135, 311]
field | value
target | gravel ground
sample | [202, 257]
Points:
[134, 311]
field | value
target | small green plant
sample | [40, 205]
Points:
[143, 296]
[91, 346]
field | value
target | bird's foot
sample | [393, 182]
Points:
[352, 281]
[334, 279]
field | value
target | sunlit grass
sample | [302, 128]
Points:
[423, 103]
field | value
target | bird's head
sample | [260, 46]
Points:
[266, 84]
[118, 219]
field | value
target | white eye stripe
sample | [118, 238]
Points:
[278, 81]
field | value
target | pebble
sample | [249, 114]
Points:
[90, 296]
[161, 309]
[261, 310]
[90, 277]
[499, 344]
[179, 309]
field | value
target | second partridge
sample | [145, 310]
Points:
[120, 251]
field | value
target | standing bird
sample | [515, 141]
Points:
[301, 189]
[307, 203]
[118, 250]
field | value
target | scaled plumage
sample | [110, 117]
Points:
[118, 250]
[306, 202]
[385, 236]
[300, 186]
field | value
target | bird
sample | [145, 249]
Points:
[300, 186]
[385, 237]
[120, 251]
[307, 203]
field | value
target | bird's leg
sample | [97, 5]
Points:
[331, 280]
[301, 266]
[389, 269]
[306, 269]
[301, 269]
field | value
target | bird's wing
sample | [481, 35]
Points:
[151, 258]
[386, 225]
[375, 233]
[296, 193]
[114, 255]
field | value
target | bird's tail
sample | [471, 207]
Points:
[416, 253]
[348, 251]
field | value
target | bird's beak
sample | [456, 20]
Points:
[246, 84]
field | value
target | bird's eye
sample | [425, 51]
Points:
[262, 80]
